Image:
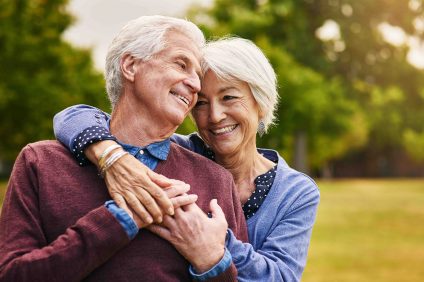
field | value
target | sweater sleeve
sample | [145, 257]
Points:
[25, 252]
[282, 256]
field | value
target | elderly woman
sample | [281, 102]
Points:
[237, 100]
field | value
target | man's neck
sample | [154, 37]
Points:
[135, 126]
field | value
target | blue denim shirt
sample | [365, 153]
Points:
[149, 156]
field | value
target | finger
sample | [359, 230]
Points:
[177, 181]
[128, 174]
[177, 190]
[143, 198]
[192, 208]
[138, 208]
[216, 210]
[159, 196]
[179, 213]
[159, 179]
[140, 223]
[161, 231]
[120, 202]
[170, 222]
[184, 200]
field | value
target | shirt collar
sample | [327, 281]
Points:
[159, 150]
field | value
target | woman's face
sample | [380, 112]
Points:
[226, 115]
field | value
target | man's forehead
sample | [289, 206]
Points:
[183, 42]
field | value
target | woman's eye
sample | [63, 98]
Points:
[228, 97]
[200, 103]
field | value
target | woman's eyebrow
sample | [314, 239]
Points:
[226, 88]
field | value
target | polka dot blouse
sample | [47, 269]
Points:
[263, 184]
[85, 138]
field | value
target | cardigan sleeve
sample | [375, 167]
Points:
[79, 126]
[282, 256]
[71, 121]
[26, 254]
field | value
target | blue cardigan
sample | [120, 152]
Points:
[279, 232]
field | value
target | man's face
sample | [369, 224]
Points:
[166, 86]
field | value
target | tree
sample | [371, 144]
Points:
[313, 107]
[40, 73]
[351, 92]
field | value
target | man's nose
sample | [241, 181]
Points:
[193, 81]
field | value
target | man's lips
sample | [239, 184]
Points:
[182, 98]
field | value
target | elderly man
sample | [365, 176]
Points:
[58, 223]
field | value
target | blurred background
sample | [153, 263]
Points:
[351, 82]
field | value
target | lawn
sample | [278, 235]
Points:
[366, 230]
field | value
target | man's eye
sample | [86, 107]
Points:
[182, 65]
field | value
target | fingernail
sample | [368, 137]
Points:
[149, 220]
[159, 219]
[171, 211]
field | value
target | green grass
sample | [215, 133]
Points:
[366, 230]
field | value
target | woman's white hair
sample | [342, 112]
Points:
[142, 38]
[240, 59]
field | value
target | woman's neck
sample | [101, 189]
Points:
[245, 166]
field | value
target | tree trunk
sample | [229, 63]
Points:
[301, 152]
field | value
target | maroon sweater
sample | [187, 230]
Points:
[54, 226]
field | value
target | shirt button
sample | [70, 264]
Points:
[141, 152]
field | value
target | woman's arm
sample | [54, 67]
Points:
[282, 255]
[132, 185]
[70, 124]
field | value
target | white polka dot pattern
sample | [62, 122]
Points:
[263, 184]
[87, 137]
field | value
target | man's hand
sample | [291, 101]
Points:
[200, 239]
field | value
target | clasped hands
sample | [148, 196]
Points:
[163, 206]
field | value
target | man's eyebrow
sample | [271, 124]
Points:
[200, 94]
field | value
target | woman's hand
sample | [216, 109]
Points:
[144, 194]
[200, 239]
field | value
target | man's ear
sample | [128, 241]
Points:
[128, 66]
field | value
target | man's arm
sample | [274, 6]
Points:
[25, 252]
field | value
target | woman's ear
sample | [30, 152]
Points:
[128, 66]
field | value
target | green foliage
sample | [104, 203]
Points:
[310, 102]
[414, 144]
[40, 73]
[352, 91]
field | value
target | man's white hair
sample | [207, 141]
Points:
[142, 38]
[240, 59]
